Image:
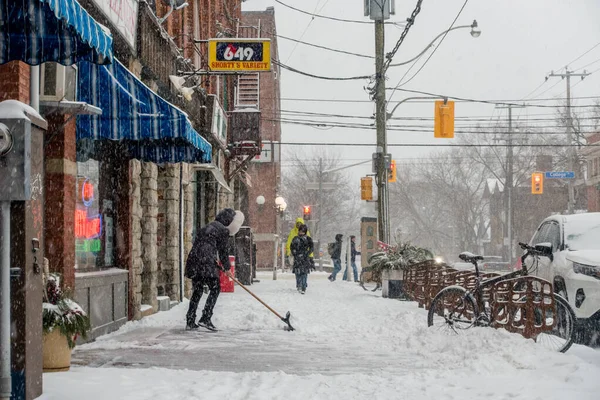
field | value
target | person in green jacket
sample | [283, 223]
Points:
[293, 234]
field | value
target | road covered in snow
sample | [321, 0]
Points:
[348, 344]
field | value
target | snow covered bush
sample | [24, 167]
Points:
[60, 312]
[400, 257]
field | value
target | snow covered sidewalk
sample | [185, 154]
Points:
[348, 344]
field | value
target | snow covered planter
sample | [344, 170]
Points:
[63, 320]
[391, 265]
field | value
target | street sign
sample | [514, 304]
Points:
[235, 54]
[560, 175]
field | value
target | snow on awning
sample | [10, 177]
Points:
[154, 129]
[38, 31]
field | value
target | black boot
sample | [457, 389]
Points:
[205, 322]
[191, 324]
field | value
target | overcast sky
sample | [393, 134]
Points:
[521, 42]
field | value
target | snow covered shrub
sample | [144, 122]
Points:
[60, 312]
[400, 257]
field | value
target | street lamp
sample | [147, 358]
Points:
[475, 32]
[280, 207]
[382, 192]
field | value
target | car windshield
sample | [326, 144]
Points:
[583, 235]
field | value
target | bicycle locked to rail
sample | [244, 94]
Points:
[515, 301]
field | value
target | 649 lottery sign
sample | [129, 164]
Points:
[252, 55]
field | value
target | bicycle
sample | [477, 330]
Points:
[549, 322]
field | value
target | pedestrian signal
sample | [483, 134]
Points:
[306, 212]
[366, 188]
[392, 171]
[444, 119]
[537, 183]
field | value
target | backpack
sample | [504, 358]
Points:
[330, 248]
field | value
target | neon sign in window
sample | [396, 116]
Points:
[86, 227]
[88, 224]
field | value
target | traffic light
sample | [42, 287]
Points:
[306, 212]
[366, 188]
[392, 171]
[537, 183]
[444, 119]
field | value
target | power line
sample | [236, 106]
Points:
[409, 23]
[327, 17]
[323, 47]
[437, 47]
[431, 145]
[303, 33]
[328, 78]
[315, 100]
[578, 58]
[495, 102]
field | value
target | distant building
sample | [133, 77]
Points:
[592, 181]
[262, 91]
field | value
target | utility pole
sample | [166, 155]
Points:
[380, 118]
[572, 153]
[509, 184]
[320, 215]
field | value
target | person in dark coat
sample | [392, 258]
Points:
[301, 249]
[353, 254]
[210, 249]
[336, 257]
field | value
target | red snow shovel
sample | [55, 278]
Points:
[289, 326]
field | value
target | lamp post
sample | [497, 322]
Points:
[382, 116]
[280, 207]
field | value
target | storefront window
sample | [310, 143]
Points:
[94, 225]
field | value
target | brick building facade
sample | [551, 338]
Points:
[265, 170]
[141, 202]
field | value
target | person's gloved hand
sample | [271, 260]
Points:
[312, 263]
[287, 261]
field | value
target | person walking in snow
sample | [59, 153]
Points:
[336, 255]
[353, 254]
[292, 235]
[301, 249]
[209, 254]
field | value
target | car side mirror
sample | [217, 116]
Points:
[545, 250]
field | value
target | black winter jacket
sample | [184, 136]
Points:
[301, 248]
[211, 245]
[337, 248]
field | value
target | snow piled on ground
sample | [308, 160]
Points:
[390, 354]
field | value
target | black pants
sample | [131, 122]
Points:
[214, 287]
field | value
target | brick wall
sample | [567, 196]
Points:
[60, 180]
[14, 81]
[266, 177]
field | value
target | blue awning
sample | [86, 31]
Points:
[37, 31]
[154, 129]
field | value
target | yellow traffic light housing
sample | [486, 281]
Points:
[392, 171]
[444, 120]
[366, 188]
[537, 183]
[306, 212]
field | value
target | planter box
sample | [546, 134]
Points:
[392, 281]
[56, 352]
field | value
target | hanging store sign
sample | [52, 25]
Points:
[250, 55]
[123, 15]
[219, 120]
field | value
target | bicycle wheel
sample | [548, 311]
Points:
[453, 309]
[369, 281]
[560, 338]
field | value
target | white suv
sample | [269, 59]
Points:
[574, 267]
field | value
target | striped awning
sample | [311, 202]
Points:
[37, 31]
[154, 129]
